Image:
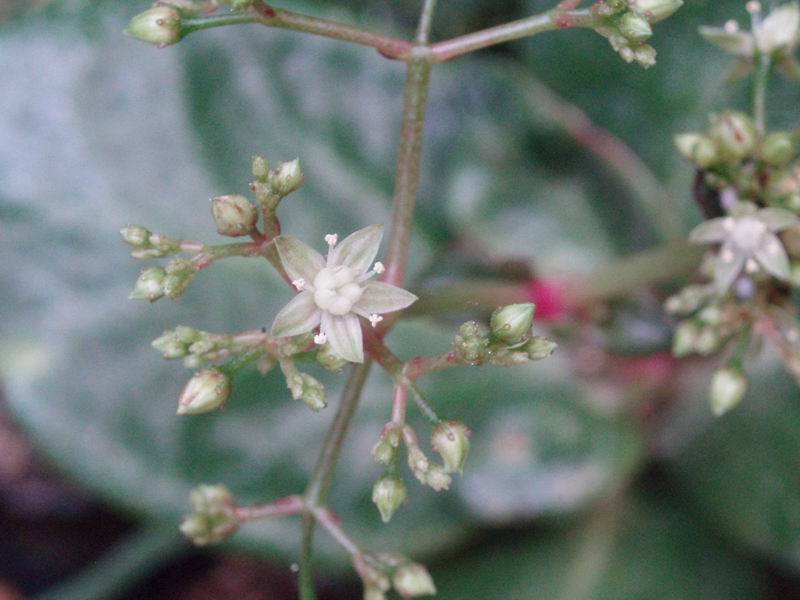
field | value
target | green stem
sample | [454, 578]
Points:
[320, 480]
[554, 19]
[283, 19]
[129, 561]
[760, 85]
[742, 346]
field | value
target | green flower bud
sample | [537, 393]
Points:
[206, 391]
[149, 285]
[170, 346]
[512, 324]
[413, 580]
[471, 343]
[234, 215]
[287, 177]
[655, 10]
[734, 134]
[779, 149]
[451, 440]
[328, 360]
[388, 494]
[213, 519]
[685, 339]
[539, 347]
[698, 148]
[645, 55]
[728, 387]
[136, 236]
[160, 25]
[187, 334]
[634, 28]
[708, 341]
[260, 169]
[386, 446]
[313, 393]
[179, 275]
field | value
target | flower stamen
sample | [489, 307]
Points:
[299, 284]
[320, 339]
[374, 319]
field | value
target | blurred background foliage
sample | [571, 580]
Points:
[590, 477]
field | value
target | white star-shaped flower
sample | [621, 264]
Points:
[336, 290]
[748, 241]
[777, 34]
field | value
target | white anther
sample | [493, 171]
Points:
[379, 268]
[299, 284]
[726, 255]
[320, 339]
[374, 319]
[331, 239]
[751, 266]
[753, 7]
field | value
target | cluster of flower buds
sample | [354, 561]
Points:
[628, 25]
[213, 519]
[147, 244]
[303, 386]
[271, 185]
[708, 324]
[158, 282]
[379, 572]
[449, 439]
[509, 340]
[775, 37]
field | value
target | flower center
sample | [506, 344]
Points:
[335, 290]
[748, 233]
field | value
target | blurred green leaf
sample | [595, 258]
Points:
[635, 549]
[742, 470]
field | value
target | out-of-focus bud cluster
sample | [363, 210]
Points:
[508, 341]
[199, 348]
[628, 26]
[708, 322]
[380, 572]
[213, 519]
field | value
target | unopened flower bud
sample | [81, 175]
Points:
[213, 519]
[413, 580]
[170, 346]
[451, 440]
[512, 324]
[698, 148]
[634, 27]
[234, 215]
[135, 235]
[540, 347]
[160, 25]
[471, 343]
[372, 592]
[206, 391]
[260, 169]
[684, 341]
[313, 393]
[779, 149]
[645, 55]
[655, 10]
[328, 360]
[388, 494]
[728, 387]
[149, 285]
[287, 177]
[734, 134]
[708, 341]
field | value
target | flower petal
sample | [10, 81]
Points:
[778, 219]
[299, 259]
[344, 336]
[357, 250]
[380, 298]
[299, 316]
[772, 256]
[779, 29]
[710, 232]
[736, 42]
[726, 271]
